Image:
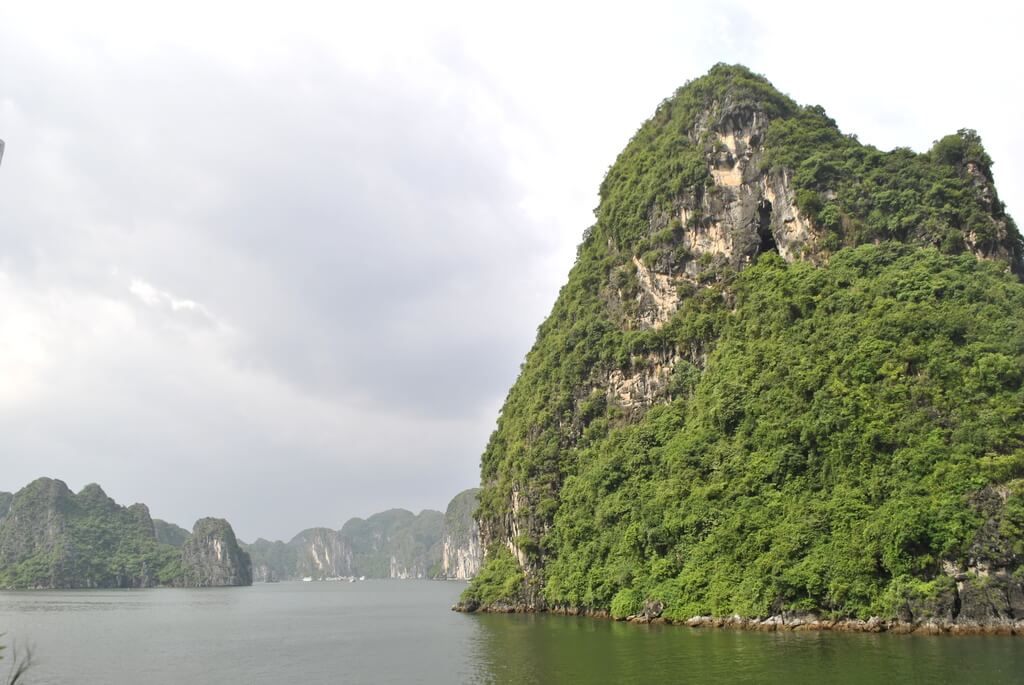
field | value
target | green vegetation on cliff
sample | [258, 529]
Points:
[707, 425]
[54, 538]
[858, 194]
[499, 581]
[391, 544]
[211, 557]
[827, 454]
[665, 157]
[396, 543]
[458, 517]
[169, 533]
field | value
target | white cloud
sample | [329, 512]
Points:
[147, 293]
[153, 297]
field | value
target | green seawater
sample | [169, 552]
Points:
[403, 632]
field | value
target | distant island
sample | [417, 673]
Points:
[394, 544]
[52, 538]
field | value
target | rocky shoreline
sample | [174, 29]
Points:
[786, 621]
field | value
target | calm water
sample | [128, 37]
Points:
[403, 632]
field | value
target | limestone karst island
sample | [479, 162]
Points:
[771, 431]
[781, 386]
[52, 538]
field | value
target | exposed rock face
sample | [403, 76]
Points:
[462, 553]
[749, 208]
[658, 297]
[998, 242]
[985, 591]
[638, 391]
[211, 557]
[322, 553]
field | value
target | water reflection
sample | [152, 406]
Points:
[402, 632]
[47, 601]
[541, 649]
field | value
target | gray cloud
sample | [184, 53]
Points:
[355, 248]
[284, 268]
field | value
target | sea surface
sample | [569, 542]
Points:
[404, 632]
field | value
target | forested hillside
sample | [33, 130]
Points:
[784, 376]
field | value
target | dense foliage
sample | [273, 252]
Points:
[54, 538]
[51, 537]
[500, 580]
[860, 194]
[824, 428]
[825, 457]
[169, 533]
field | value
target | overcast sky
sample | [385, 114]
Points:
[280, 262]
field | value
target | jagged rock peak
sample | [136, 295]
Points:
[213, 558]
[729, 167]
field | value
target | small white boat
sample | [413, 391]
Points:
[307, 579]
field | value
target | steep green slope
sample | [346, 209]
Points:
[54, 538]
[732, 408]
[272, 560]
[458, 517]
[826, 457]
[396, 544]
[211, 557]
[169, 533]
